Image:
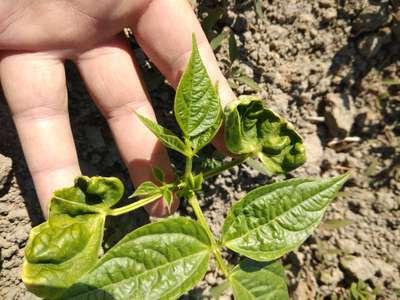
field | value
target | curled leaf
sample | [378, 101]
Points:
[60, 251]
[250, 128]
[88, 195]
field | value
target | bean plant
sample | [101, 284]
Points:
[165, 259]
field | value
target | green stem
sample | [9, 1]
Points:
[216, 249]
[188, 167]
[127, 208]
[217, 170]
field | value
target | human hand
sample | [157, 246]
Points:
[37, 36]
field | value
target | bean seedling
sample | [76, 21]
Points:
[165, 259]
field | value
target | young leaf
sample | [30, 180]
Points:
[249, 82]
[206, 137]
[251, 280]
[168, 197]
[157, 261]
[158, 174]
[147, 188]
[275, 219]
[88, 195]
[250, 128]
[166, 136]
[60, 251]
[197, 106]
[217, 41]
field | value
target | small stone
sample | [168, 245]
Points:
[361, 235]
[7, 253]
[20, 235]
[331, 276]
[339, 114]
[277, 32]
[349, 246]
[359, 267]
[4, 244]
[210, 278]
[386, 270]
[305, 290]
[329, 15]
[314, 153]
[17, 214]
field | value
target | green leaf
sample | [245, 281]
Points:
[250, 128]
[249, 82]
[60, 251]
[275, 219]
[88, 195]
[233, 49]
[147, 188]
[158, 174]
[252, 280]
[168, 196]
[203, 139]
[166, 136]
[217, 41]
[157, 261]
[197, 106]
[218, 290]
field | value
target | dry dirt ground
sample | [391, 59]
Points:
[332, 68]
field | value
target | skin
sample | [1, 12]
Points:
[37, 36]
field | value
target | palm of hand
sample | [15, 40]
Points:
[65, 24]
[37, 36]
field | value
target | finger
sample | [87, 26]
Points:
[164, 31]
[35, 88]
[111, 76]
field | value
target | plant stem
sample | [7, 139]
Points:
[224, 167]
[216, 249]
[133, 206]
[188, 167]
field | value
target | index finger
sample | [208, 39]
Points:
[164, 31]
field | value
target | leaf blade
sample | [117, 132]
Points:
[275, 219]
[251, 280]
[144, 252]
[53, 261]
[197, 106]
[167, 137]
[145, 189]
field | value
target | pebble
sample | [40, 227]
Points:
[339, 114]
[331, 276]
[17, 214]
[7, 253]
[359, 267]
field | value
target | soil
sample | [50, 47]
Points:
[332, 68]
